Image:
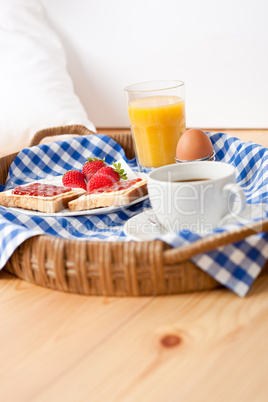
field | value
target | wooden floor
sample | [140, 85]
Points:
[203, 346]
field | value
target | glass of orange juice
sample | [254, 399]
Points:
[157, 119]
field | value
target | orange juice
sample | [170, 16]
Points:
[157, 123]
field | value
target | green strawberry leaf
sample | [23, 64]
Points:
[121, 172]
[95, 159]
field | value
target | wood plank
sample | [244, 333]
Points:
[166, 348]
[45, 333]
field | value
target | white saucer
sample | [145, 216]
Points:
[141, 227]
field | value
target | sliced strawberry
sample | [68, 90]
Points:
[92, 166]
[74, 179]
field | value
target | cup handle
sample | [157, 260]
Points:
[240, 205]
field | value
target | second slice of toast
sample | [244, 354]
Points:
[120, 194]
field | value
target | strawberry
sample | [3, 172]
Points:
[106, 176]
[114, 172]
[92, 166]
[99, 181]
[74, 179]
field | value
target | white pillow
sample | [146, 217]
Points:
[36, 91]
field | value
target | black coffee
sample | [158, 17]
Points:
[188, 180]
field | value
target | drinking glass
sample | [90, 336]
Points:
[157, 120]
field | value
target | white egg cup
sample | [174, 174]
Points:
[206, 158]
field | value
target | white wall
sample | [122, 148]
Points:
[218, 47]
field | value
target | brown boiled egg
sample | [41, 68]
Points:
[194, 144]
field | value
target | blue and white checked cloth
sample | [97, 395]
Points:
[235, 265]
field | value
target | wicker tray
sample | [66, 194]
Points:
[114, 268]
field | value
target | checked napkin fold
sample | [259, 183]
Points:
[235, 265]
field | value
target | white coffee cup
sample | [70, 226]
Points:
[207, 195]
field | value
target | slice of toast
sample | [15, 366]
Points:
[33, 198]
[120, 194]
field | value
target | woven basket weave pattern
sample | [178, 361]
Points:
[104, 268]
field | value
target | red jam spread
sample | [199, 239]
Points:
[120, 185]
[40, 190]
